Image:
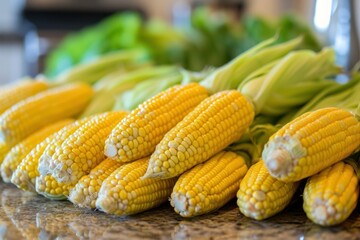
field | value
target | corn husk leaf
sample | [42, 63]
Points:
[293, 81]
[93, 71]
[233, 73]
[105, 96]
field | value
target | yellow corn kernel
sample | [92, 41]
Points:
[85, 192]
[136, 135]
[19, 91]
[33, 113]
[25, 174]
[125, 193]
[208, 186]
[84, 149]
[45, 163]
[311, 143]
[261, 196]
[4, 149]
[19, 151]
[217, 122]
[331, 195]
[47, 186]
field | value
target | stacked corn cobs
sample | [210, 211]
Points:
[174, 145]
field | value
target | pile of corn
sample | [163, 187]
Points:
[197, 142]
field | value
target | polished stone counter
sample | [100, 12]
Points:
[28, 216]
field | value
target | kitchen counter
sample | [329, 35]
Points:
[28, 216]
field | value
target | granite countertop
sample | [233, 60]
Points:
[28, 216]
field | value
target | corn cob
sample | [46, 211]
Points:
[85, 192]
[49, 187]
[331, 195]
[84, 149]
[33, 113]
[208, 186]
[45, 163]
[136, 135]
[25, 174]
[125, 193]
[261, 196]
[217, 122]
[17, 92]
[311, 143]
[4, 149]
[19, 151]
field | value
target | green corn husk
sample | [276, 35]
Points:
[111, 79]
[120, 81]
[130, 99]
[190, 76]
[233, 73]
[291, 82]
[95, 70]
[251, 144]
[345, 96]
[111, 86]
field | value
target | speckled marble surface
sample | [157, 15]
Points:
[28, 216]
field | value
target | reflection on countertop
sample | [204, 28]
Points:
[28, 216]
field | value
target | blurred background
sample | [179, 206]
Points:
[49, 36]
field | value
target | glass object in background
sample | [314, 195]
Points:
[181, 12]
[10, 14]
[18, 43]
[334, 21]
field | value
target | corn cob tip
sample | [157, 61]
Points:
[109, 205]
[320, 213]
[78, 198]
[282, 154]
[181, 203]
[110, 150]
[277, 159]
[250, 209]
[22, 181]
